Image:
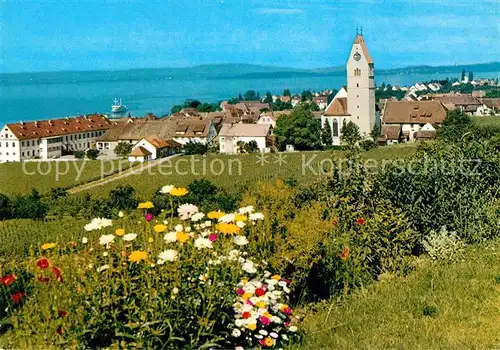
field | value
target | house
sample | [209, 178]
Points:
[152, 148]
[412, 117]
[321, 101]
[465, 103]
[492, 103]
[232, 134]
[295, 100]
[271, 117]
[49, 139]
[390, 134]
[202, 131]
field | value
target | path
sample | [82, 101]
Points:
[133, 171]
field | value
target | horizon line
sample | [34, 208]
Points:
[236, 64]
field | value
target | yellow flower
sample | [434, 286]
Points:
[267, 314]
[276, 277]
[246, 296]
[284, 306]
[119, 232]
[268, 341]
[159, 228]
[137, 255]
[150, 240]
[227, 228]
[252, 326]
[182, 237]
[239, 217]
[146, 205]
[260, 304]
[179, 191]
[48, 246]
[244, 281]
[215, 214]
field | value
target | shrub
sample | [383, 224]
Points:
[29, 207]
[123, 197]
[443, 245]
[368, 144]
[79, 154]
[192, 148]
[5, 207]
[92, 154]
[123, 149]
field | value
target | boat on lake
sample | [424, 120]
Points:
[118, 106]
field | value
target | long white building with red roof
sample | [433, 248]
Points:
[47, 139]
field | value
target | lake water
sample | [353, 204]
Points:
[30, 96]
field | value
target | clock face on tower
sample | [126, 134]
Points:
[357, 56]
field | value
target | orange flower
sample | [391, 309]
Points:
[360, 221]
[252, 326]
[226, 228]
[268, 341]
[182, 237]
[345, 254]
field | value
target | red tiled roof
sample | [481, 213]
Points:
[391, 132]
[140, 152]
[418, 112]
[59, 127]
[337, 108]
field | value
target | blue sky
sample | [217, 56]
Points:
[85, 35]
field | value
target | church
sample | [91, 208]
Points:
[356, 101]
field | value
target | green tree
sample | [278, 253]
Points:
[455, 126]
[122, 197]
[176, 109]
[79, 154]
[92, 153]
[349, 134]
[191, 148]
[251, 146]
[268, 98]
[241, 146]
[123, 149]
[250, 95]
[326, 134]
[299, 129]
[287, 92]
[306, 95]
[5, 207]
[190, 103]
[29, 207]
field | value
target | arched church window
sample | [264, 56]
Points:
[335, 128]
[357, 72]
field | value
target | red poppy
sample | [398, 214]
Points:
[59, 330]
[43, 263]
[62, 313]
[360, 221]
[246, 315]
[43, 279]
[345, 253]
[73, 244]
[8, 280]
[260, 292]
[17, 297]
[57, 274]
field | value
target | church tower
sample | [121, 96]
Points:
[361, 86]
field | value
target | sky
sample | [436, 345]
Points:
[41, 35]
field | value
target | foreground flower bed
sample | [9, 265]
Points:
[178, 280]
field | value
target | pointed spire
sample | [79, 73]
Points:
[357, 30]
[361, 30]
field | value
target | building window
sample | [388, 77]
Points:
[13, 144]
[357, 85]
[335, 128]
[357, 72]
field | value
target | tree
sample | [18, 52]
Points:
[250, 95]
[176, 109]
[79, 154]
[455, 126]
[190, 103]
[326, 134]
[299, 129]
[375, 131]
[251, 146]
[5, 207]
[310, 105]
[122, 197]
[29, 207]
[268, 98]
[287, 92]
[92, 153]
[191, 148]
[306, 95]
[349, 134]
[123, 149]
[241, 146]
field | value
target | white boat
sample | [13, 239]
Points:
[118, 106]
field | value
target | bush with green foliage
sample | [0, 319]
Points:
[299, 129]
[443, 245]
[79, 154]
[123, 149]
[192, 148]
[92, 153]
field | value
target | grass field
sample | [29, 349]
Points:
[20, 178]
[487, 121]
[235, 172]
[438, 306]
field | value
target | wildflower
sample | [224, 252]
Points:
[215, 215]
[150, 240]
[293, 329]
[17, 297]
[148, 217]
[240, 291]
[263, 332]
[106, 239]
[276, 277]
[159, 228]
[48, 246]
[62, 313]
[212, 237]
[129, 237]
[239, 217]
[256, 216]
[105, 254]
[268, 342]
[170, 237]
[227, 228]
[240, 224]
[345, 254]
[42, 263]
[236, 333]
[286, 309]
[246, 210]
[103, 268]
[119, 232]
[227, 218]
[121, 214]
[8, 280]
[185, 211]
[57, 274]
[167, 189]
[137, 255]
[240, 240]
[59, 330]
[260, 292]
[249, 267]
[167, 255]
[43, 279]
[146, 205]
[274, 335]
[179, 191]
[197, 217]
[97, 224]
[201, 243]
[175, 290]
[360, 221]
[85, 240]
[285, 337]
[182, 237]
[252, 326]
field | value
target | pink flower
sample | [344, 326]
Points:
[149, 217]
[264, 320]
[240, 291]
[212, 237]
[287, 310]
[287, 281]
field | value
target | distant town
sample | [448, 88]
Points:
[381, 115]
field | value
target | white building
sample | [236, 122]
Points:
[49, 139]
[231, 134]
[152, 148]
[202, 131]
[355, 103]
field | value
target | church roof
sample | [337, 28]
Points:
[361, 41]
[338, 107]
